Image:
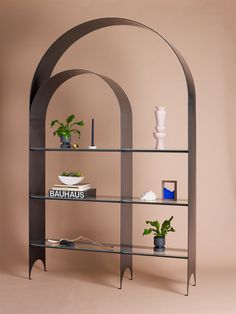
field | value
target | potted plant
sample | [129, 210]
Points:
[66, 128]
[71, 177]
[159, 231]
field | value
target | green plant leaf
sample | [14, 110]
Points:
[152, 223]
[66, 129]
[150, 230]
[55, 121]
[166, 226]
[70, 118]
[76, 132]
[80, 123]
[147, 231]
[77, 173]
[159, 231]
[155, 224]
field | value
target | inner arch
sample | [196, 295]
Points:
[42, 98]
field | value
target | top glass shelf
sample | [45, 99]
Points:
[86, 149]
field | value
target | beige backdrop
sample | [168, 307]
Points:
[204, 32]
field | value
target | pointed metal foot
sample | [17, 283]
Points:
[30, 270]
[188, 282]
[186, 294]
[131, 274]
[120, 287]
[122, 275]
[195, 280]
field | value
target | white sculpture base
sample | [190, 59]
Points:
[159, 136]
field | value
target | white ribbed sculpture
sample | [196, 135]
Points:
[159, 134]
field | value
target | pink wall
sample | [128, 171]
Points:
[204, 32]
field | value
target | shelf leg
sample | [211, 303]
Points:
[188, 281]
[122, 275]
[36, 253]
[187, 287]
[126, 263]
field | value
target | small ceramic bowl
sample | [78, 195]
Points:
[70, 180]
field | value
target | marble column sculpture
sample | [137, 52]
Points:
[159, 134]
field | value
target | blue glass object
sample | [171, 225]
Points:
[169, 194]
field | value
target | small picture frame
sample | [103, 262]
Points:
[169, 190]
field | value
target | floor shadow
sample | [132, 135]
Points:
[162, 283]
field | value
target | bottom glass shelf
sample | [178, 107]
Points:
[116, 249]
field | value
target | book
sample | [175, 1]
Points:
[71, 194]
[78, 187]
[70, 188]
[75, 186]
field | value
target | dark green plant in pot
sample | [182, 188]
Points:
[66, 128]
[160, 231]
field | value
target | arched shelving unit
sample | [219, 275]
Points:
[43, 87]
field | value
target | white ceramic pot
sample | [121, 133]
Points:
[70, 180]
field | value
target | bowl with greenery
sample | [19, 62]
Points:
[71, 177]
[159, 231]
[66, 128]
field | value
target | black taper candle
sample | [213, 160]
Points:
[92, 133]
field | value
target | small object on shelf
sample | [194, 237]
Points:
[71, 194]
[79, 239]
[148, 196]
[71, 188]
[159, 133]
[169, 190]
[67, 243]
[75, 187]
[65, 129]
[71, 178]
[75, 146]
[92, 136]
[65, 141]
[159, 244]
[160, 232]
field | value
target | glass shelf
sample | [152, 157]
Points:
[116, 199]
[133, 150]
[116, 249]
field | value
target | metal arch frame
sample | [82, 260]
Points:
[56, 50]
[37, 164]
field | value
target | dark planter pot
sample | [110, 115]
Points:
[65, 142]
[159, 244]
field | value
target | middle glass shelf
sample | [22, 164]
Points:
[106, 150]
[116, 199]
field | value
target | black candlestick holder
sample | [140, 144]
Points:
[92, 136]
